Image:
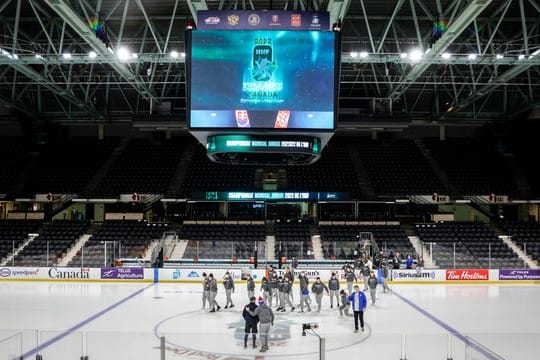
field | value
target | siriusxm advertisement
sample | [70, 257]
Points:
[262, 79]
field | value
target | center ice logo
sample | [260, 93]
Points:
[281, 331]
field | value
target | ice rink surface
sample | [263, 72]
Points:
[106, 321]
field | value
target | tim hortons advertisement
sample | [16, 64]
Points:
[467, 275]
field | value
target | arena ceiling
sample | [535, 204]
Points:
[484, 67]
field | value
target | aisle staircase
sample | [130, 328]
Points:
[515, 248]
[9, 260]
[436, 167]
[104, 169]
[317, 247]
[270, 247]
[366, 188]
[74, 250]
[175, 185]
[420, 249]
[179, 249]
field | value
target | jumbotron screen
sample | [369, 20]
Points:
[262, 79]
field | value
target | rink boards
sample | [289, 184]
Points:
[195, 275]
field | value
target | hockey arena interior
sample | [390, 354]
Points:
[234, 180]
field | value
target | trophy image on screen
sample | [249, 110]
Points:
[263, 64]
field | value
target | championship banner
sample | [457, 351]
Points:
[263, 20]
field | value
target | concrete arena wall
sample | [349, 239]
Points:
[195, 275]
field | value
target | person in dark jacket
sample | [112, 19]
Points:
[250, 284]
[318, 288]
[304, 291]
[350, 277]
[206, 290]
[420, 265]
[289, 276]
[372, 284]
[345, 304]
[385, 276]
[266, 319]
[333, 285]
[284, 299]
[366, 270]
[273, 283]
[265, 288]
[228, 284]
[212, 284]
[251, 322]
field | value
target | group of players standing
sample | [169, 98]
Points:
[278, 291]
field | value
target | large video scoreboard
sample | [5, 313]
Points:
[262, 79]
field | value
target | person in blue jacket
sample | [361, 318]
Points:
[409, 262]
[358, 304]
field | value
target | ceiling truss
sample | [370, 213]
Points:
[35, 74]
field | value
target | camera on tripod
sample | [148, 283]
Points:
[309, 326]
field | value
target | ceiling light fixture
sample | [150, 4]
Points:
[123, 54]
[416, 55]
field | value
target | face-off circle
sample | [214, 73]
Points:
[221, 335]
